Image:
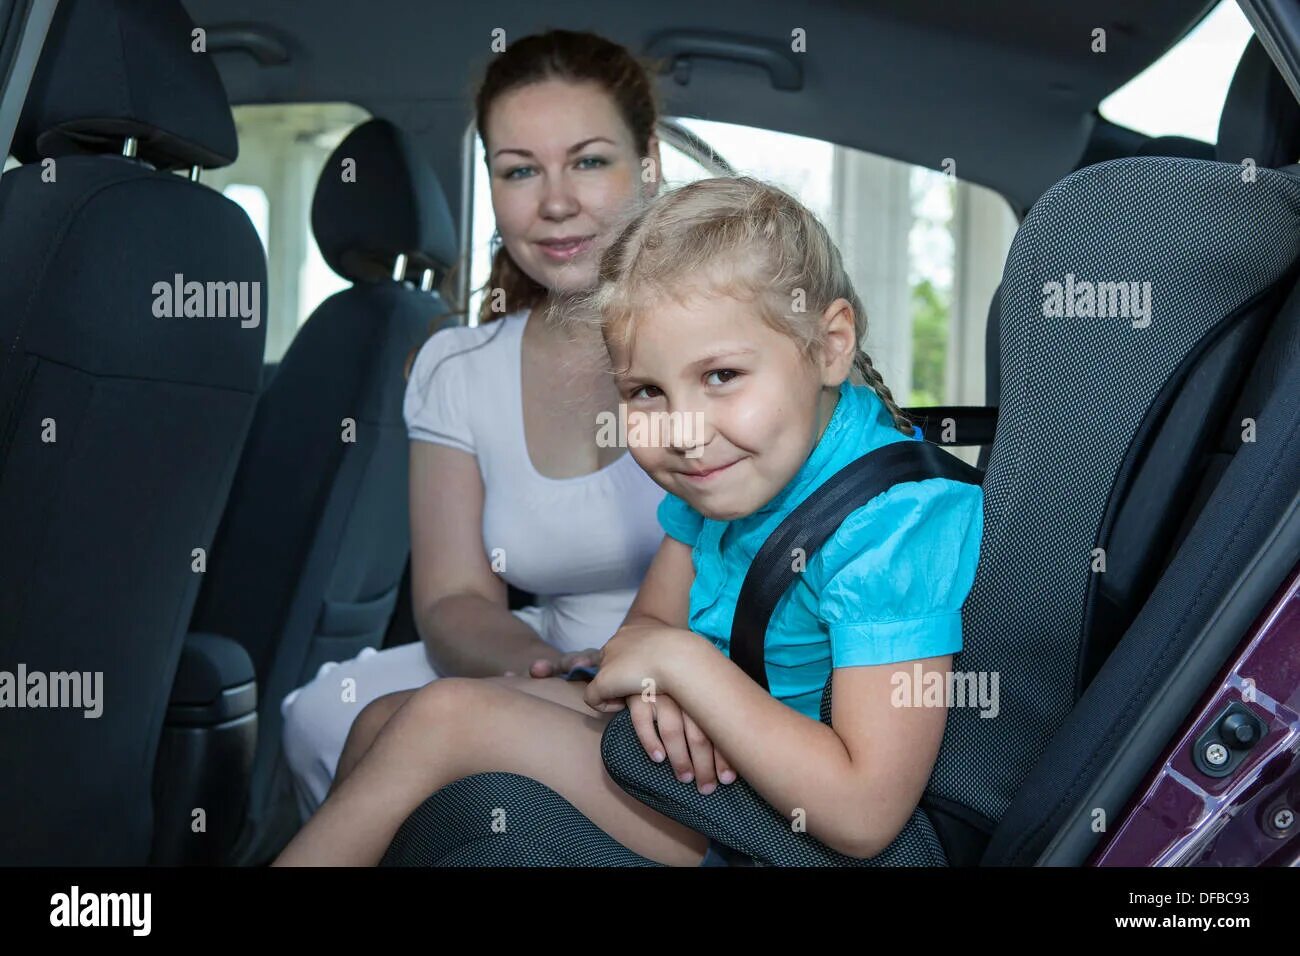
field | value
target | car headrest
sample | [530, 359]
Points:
[112, 69]
[378, 198]
[1261, 119]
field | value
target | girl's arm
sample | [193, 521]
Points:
[460, 604]
[856, 784]
[664, 597]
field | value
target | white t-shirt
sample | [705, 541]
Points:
[581, 545]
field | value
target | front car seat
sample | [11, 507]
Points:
[121, 417]
[308, 560]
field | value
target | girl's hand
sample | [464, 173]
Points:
[691, 754]
[547, 668]
[630, 664]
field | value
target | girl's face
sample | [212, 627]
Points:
[739, 407]
[563, 167]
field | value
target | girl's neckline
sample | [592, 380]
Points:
[517, 353]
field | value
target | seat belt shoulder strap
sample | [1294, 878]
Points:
[812, 523]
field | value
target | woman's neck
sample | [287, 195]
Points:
[581, 339]
[577, 355]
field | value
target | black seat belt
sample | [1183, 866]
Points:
[808, 526]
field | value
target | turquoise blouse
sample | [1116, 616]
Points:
[886, 587]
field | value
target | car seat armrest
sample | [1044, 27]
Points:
[215, 681]
[205, 756]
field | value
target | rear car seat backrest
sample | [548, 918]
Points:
[1078, 394]
[121, 418]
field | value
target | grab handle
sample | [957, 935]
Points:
[679, 48]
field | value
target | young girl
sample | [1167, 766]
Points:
[726, 306]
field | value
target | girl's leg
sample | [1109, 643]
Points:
[376, 714]
[365, 729]
[456, 727]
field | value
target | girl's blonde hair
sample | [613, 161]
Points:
[739, 237]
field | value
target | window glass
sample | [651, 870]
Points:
[282, 150]
[925, 250]
[1182, 93]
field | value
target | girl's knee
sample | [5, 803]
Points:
[378, 712]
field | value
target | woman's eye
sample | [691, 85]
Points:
[518, 172]
[591, 162]
[725, 374]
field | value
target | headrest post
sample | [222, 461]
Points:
[399, 267]
[130, 147]
[195, 172]
[426, 280]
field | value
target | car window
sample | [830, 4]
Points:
[924, 248]
[282, 149]
[1182, 93]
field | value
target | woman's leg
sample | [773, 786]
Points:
[318, 715]
[457, 727]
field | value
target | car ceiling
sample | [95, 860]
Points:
[1005, 88]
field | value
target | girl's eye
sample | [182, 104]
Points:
[591, 162]
[644, 392]
[725, 374]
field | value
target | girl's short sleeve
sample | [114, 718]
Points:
[436, 405]
[898, 570]
[679, 520]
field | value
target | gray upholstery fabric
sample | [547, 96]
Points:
[1074, 391]
[504, 819]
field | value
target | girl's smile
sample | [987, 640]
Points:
[706, 475]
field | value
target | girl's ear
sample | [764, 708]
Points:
[839, 342]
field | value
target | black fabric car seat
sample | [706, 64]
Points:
[121, 417]
[308, 560]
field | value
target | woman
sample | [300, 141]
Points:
[508, 482]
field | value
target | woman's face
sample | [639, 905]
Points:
[564, 169]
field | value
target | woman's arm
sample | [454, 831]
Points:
[459, 603]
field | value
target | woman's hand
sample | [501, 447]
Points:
[543, 667]
[691, 754]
